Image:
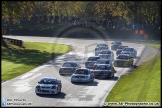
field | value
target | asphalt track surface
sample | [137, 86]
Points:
[78, 94]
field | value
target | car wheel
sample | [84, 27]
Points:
[111, 48]
[109, 76]
[132, 64]
[96, 77]
[92, 79]
[114, 71]
[60, 90]
[60, 74]
[113, 75]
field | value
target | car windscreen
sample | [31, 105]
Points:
[97, 49]
[103, 68]
[103, 48]
[126, 53]
[69, 65]
[118, 42]
[100, 45]
[85, 72]
[128, 49]
[122, 57]
[93, 58]
[47, 81]
[120, 48]
[103, 62]
[105, 52]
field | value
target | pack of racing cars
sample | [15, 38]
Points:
[101, 64]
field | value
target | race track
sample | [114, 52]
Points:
[81, 94]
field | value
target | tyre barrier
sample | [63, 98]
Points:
[15, 42]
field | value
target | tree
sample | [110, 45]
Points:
[130, 11]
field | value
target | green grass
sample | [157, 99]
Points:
[141, 85]
[17, 61]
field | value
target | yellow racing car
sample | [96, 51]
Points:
[123, 60]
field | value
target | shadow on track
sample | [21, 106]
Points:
[94, 83]
[60, 95]
[66, 75]
[106, 78]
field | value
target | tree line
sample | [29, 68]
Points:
[125, 11]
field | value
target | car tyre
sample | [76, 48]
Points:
[132, 64]
[96, 77]
[109, 76]
[112, 76]
[114, 71]
[92, 80]
[111, 48]
[60, 90]
[61, 74]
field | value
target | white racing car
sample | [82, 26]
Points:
[107, 54]
[91, 61]
[102, 45]
[132, 50]
[48, 85]
[98, 50]
[131, 54]
[120, 49]
[115, 45]
[82, 75]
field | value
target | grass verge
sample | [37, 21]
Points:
[17, 61]
[141, 85]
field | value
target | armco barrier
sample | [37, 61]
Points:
[15, 42]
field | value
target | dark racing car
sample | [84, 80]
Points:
[104, 70]
[115, 45]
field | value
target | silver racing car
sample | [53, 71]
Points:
[82, 75]
[48, 85]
